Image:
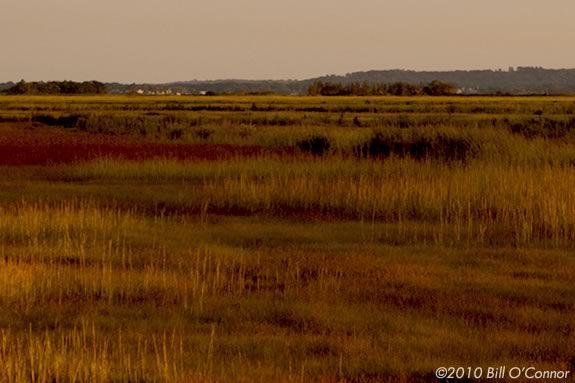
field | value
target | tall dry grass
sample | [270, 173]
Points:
[483, 201]
[88, 294]
[326, 268]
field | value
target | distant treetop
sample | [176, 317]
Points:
[58, 87]
[521, 80]
[365, 88]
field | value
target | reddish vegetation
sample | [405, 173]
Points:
[44, 146]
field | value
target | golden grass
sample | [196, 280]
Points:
[116, 307]
[290, 268]
[477, 201]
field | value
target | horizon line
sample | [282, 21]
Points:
[222, 79]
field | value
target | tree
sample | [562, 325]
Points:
[58, 87]
[21, 87]
[439, 88]
[403, 89]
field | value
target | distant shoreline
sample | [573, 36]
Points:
[515, 81]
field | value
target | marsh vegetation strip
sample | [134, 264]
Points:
[284, 239]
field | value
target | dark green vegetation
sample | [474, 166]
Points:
[521, 80]
[286, 239]
[434, 88]
[56, 87]
[518, 81]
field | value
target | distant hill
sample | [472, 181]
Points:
[216, 86]
[522, 80]
[519, 81]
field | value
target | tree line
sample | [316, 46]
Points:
[434, 88]
[57, 87]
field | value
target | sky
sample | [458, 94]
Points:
[170, 40]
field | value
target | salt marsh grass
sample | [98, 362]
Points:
[196, 239]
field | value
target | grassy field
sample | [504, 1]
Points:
[284, 239]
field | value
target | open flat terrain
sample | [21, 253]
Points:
[284, 239]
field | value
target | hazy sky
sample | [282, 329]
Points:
[167, 40]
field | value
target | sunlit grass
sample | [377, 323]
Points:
[315, 299]
[479, 200]
[286, 266]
